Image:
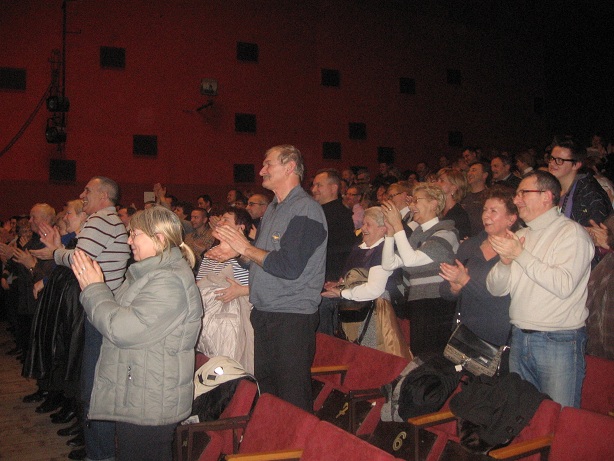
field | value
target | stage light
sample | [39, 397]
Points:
[58, 103]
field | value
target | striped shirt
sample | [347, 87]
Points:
[210, 266]
[105, 240]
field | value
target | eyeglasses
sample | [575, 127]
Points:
[255, 203]
[134, 235]
[559, 161]
[394, 195]
[520, 192]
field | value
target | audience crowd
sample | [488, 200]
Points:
[516, 247]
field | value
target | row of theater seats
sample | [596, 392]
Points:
[347, 381]
[554, 434]
[278, 430]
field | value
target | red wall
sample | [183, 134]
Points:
[171, 46]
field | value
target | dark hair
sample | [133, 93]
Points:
[202, 210]
[548, 182]
[241, 217]
[506, 159]
[506, 195]
[526, 157]
[206, 198]
[578, 153]
[187, 207]
[485, 169]
[130, 210]
[332, 175]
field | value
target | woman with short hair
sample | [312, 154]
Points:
[465, 280]
[431, 243]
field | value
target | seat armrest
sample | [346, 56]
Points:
[365, 394]
[331, 370]
[266, 456]
[432, 419]
[428, 420]
[523, 449]
[234, 424]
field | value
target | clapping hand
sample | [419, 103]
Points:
[392, 218]
[457, 274]
[85, 269]
[508, 247]
[24, 257]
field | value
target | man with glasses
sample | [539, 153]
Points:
[545, 269]
[400, 193]
[256, 206]
[582, 197]
[351, 200]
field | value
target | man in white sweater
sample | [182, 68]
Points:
[545, 269]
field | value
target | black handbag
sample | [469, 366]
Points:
[475, 355]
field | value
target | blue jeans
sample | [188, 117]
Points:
[553, 361]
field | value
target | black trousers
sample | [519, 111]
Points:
[430, 324]
[144, 443]
[284, 347]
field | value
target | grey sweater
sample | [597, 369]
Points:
[294, 232]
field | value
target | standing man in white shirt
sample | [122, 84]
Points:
[545, 269]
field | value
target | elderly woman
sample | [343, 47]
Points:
[144, 375]
[453, 183]
[431, 243]
[484, 314]
[368, 255]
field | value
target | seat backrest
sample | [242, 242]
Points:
[542, 423]
[328, 442]
[370, 368]
[242, 400]
[331, 350]
[276, 425]
[582, 435]
[598, 386]
[200, 360]
[240, 405]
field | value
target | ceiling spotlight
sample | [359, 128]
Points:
[58, 103]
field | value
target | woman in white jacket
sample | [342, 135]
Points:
[144, 375]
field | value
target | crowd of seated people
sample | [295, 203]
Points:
[428, 238]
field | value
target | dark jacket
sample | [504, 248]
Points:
[499, 407]
[590, 201]
[341, 237]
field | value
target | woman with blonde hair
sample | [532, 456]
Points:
[431, 243]
[144, 375]
[454, 185]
